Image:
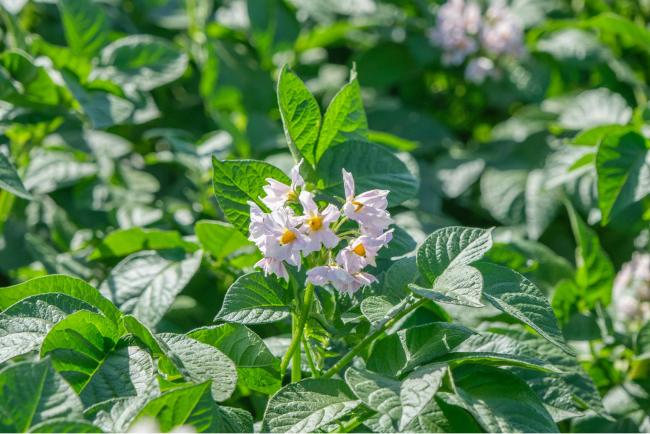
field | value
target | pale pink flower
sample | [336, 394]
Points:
[362, 252]
[502, 32]
[256, 228]
[479, 69]
[456, 23]
[326, 274]
[368, 209]
[273, 266]
[317, 224]
[281, 240]
[278, 194]
[359, 279]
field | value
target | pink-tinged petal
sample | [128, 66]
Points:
[350, 261]
[312, 246]
[317, 276]
[308, 204]
[348, 183]
[272, 266]
[274, 202]
[374, 199]
[257, 215]
[330, 214]
[296, 179]
[329, 238]
[386, 237]
[323, 275]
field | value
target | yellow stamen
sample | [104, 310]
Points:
[315, 223]
[359, 206]
[287, 237]
[292, 196]
[359, 250]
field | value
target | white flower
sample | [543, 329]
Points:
[631, 289]
[359, 279]
[273, 266]
[362, 252]
[479, 69]
[328, 274]
[281, 240]
[317, 224]
[455, 25]
[256, 228]
[502, 33]
[278, 194]
[368, 209]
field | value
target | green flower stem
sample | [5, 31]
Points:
[338, 225]
[310, 360]
[355, 421]
[369, 339]
[296, 370]
[298, 330]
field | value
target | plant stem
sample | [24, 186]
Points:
[369, 339]
[6, 203]
[355, 422]
[297, 331]
[296, 370]
[312, 367]
[338, 225]
[349, 233]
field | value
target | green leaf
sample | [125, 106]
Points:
[593, 108]
[406, 349]
[62, 57]
[495, 359]
[345, 118]
[308, 405]
[452, 246]
[124, 242]
[33, 392]
[373, 167]
[23, 325]
[503, 193]
[623, 167]
[236, 182]
[87, 28]
[76, 288]
[10, 181]
[202, 362]
[377, 391]
[300, 116]
[85, 348]
[219, 239]
[65, 425]
[517, 296]
[399, 275]
[418, 390]
[542, 204]
[145, 284]
[255, 299]
[50, 171]
[35, 87]
[144, 61]
[501, 401]
[642, 347]
[460, 284]
[401, 244]
[257, 368]
[388, 139]
[379, 310]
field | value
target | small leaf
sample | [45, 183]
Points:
[418, 389]
[127, 241]
[10, 181]
[308, 405]
[379, 310]
[461, 285]
[219, 239]
[87, 28]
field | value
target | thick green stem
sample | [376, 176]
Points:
[296, 372]
[355, 422]
[310, 360]
[297, 332]
[369, 339]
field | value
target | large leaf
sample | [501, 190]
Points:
[219, 239]
[308, 405]
[379, 310]
[452, 246]
[33, 392]
[85, 348]
[515, 295]
[145, 284]
[23, 326]
[623, 167]
[377, 391]
[124, 242]
[50, 171]
[503, 192]
[25, 84]
[542, 204]
[255, 299]
[460, 284]
[418, 390]
[594, 108]
[10, 181]
[141, 60]
[239, 181]
[87, 28]
[76, 288]
[406, 349]
[500, 401]
[345, 118]
[300, 116]
[373, 167]
[495, 359]
[257, 368]
[201, 362]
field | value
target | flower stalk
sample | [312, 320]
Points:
[297, 332]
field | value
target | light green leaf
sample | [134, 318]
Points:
[255, 299]
[50, 171]
[65, 425]
[35, 87]
[372, 166]
[257, 368]
[460, 284]
[76, 288]
[593, 108]
[623, 167]
[308, 405]
[377, 391]
[219, 239]
[417, 391]
[452, 246]
[236, 182]
[87, 28]
[142, 60]
[300, 116]
[203, 362]
[406, 349]
[517, 296]
[145, 284]
[33, 392]
[10, 181]
[345, 118]
[642, 347]
[62, 57]
[379, 310]
[124, 242]
[23, 325]
[388, 139]
[85, 348]
[501, 401]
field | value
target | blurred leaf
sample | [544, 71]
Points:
[219, 239]
[125, 242]
[87, 27]
[10, 181]
[593, 108]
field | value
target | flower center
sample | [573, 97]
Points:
[359, 206]
[359, 250]
[287, 237]
[292, 196]
[315, 223]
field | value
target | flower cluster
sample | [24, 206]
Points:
[462, 31]
[285, 237]
[631, 292]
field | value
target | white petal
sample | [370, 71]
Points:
[308, 204]
[348, 182]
